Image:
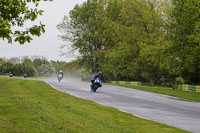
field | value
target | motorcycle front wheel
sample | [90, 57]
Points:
[95, 88]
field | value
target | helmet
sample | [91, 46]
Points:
[60, 71]
[100, 73]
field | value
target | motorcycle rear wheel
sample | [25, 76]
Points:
[91, 89]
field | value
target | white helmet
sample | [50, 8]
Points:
[60, 71]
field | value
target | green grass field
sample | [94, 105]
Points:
[190, 96]
[33, 107]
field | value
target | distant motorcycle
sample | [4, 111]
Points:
[60, 77]
[11, 75]
[96, 84]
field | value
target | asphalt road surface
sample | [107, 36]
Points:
[152, 106]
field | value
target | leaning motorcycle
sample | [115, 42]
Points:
[60, 77]
[96, 84]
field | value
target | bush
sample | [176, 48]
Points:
[178, 81]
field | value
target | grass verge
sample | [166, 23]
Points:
[33, 106]
[183, 95]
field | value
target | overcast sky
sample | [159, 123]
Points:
[47, 44]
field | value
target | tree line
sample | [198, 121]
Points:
[141, 40]
[39, 66]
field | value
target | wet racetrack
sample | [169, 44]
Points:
[152, 106]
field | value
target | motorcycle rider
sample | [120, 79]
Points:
[100, 76]
[60, 73]
[25, 75]
[10, 74]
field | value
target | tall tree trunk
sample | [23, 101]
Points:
[153, 78]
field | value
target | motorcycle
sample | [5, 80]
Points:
[96, 84]
[60, 77]
[10, 74]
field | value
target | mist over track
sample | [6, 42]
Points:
[157, 107]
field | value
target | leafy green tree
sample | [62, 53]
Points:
[139, 42]
[43, 66]
[18, 69]
[184, 33]
[123, 38]
[14, 13]
[28, 67]
[3, 65]
[84, 29]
